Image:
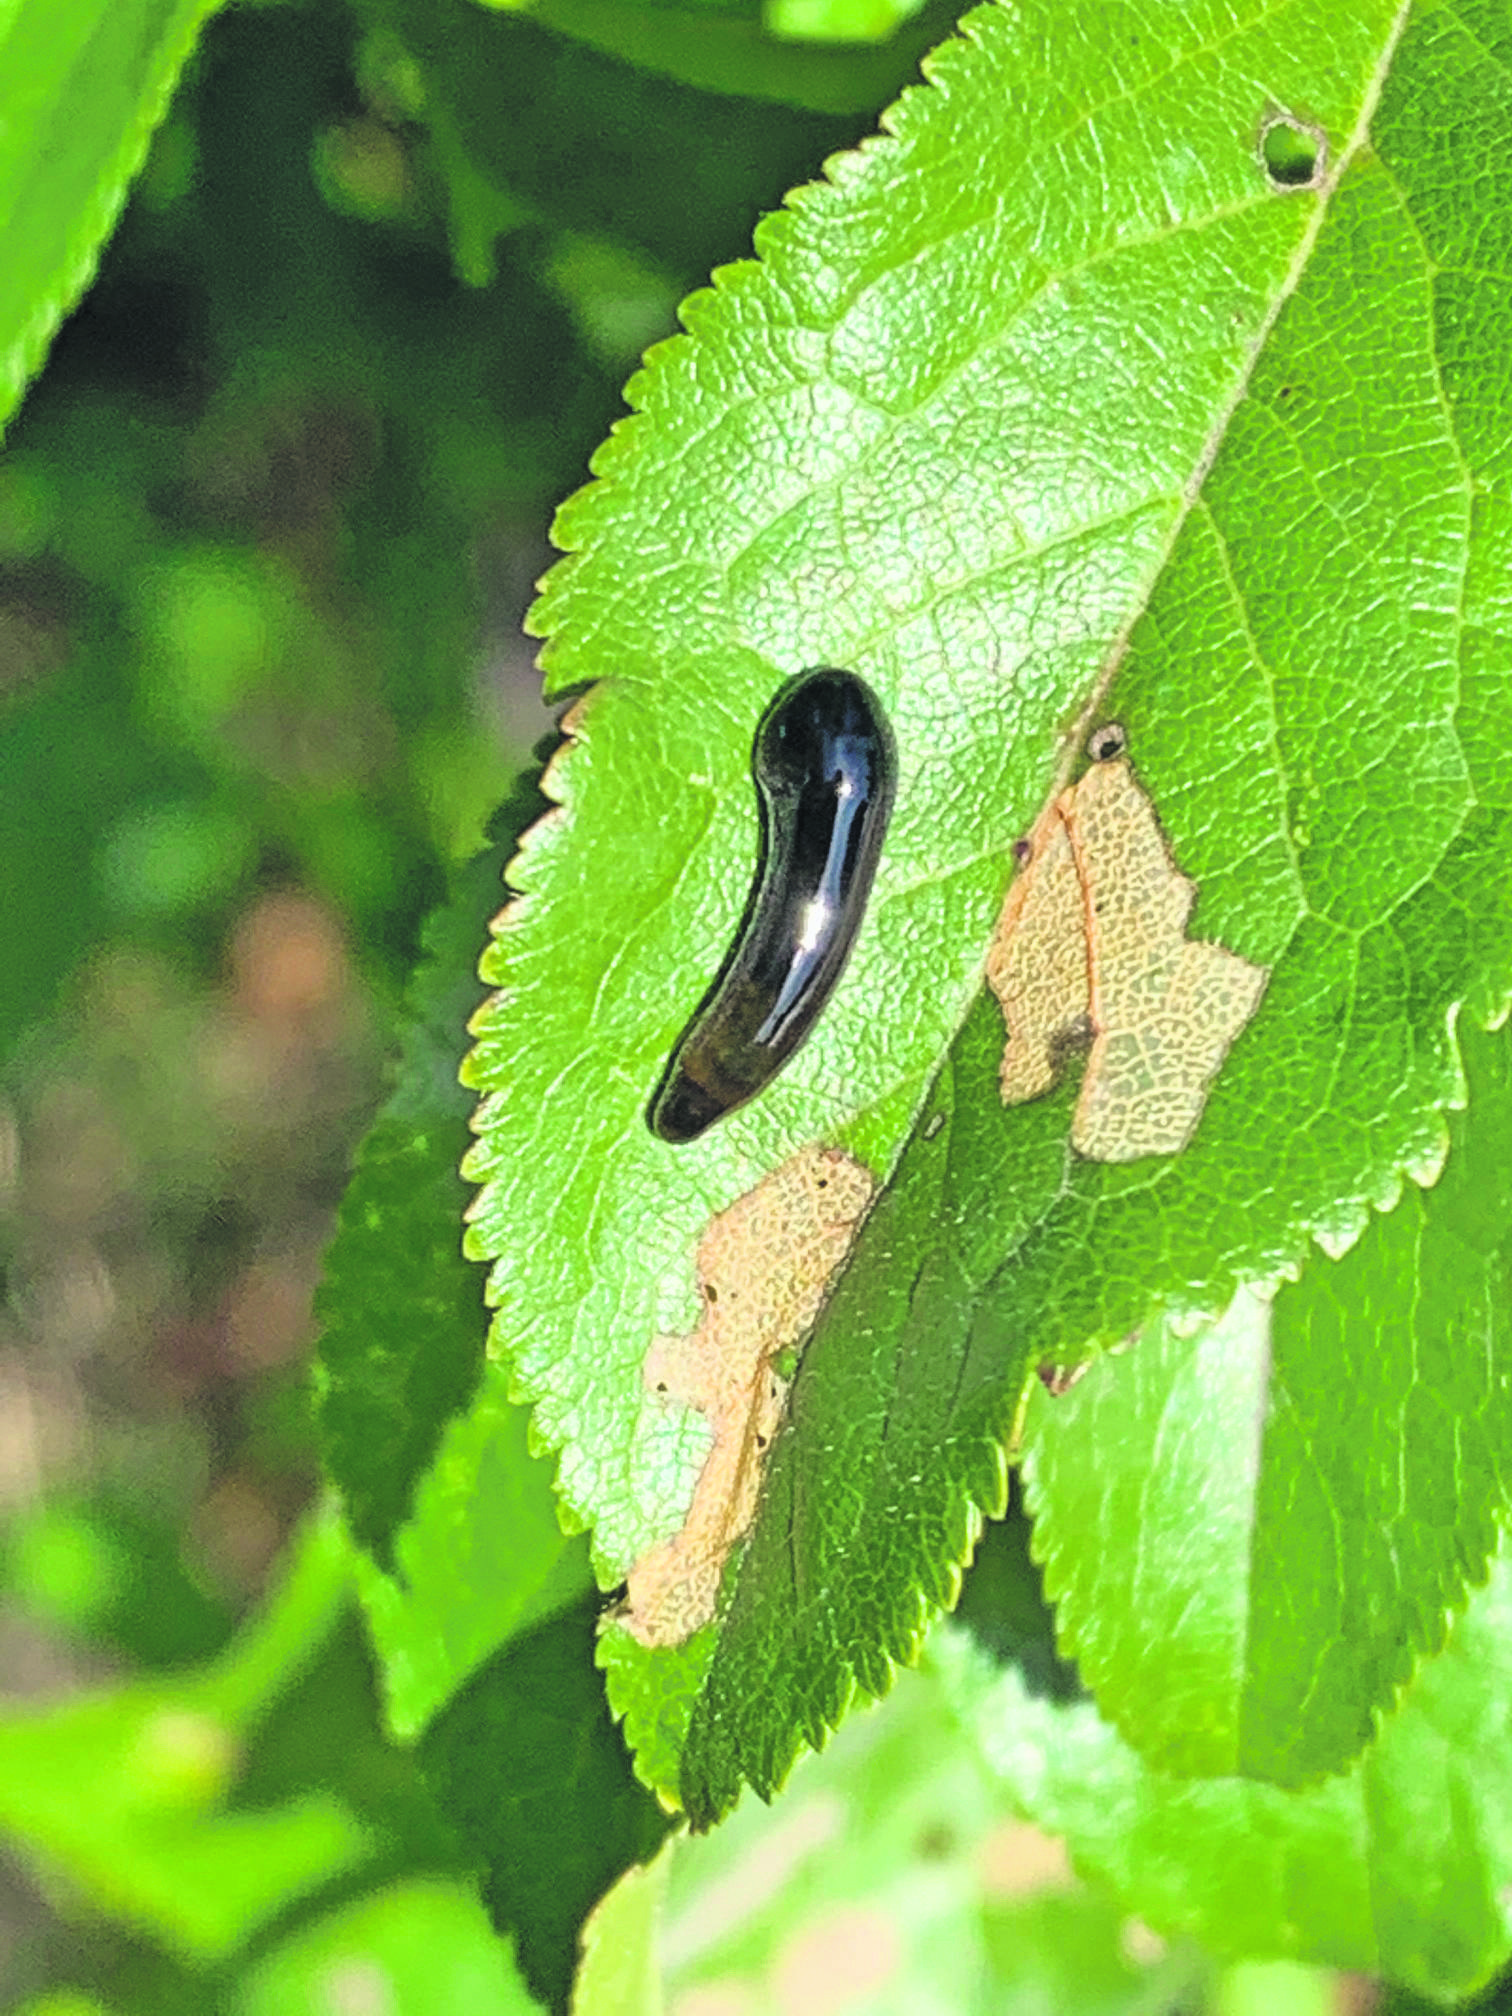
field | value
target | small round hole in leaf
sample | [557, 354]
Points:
[1292, 154]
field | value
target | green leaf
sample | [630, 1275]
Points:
[895, 1863]
[620, 1971]
[1002, 1604]
[402, 1315]
[410, 1950]
[1049, 405]
[437, 1477]
[83, 86]
[126, 1794]
[720, 52]
[1399, 1867]
[524, 116]
[1251, 1535]
[928, 1250]
[530, 1767]
[838, 20]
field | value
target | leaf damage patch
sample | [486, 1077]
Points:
[1091, 953]
[764, 1266]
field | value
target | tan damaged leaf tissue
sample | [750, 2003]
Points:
[763, 1268]
[1091, 954]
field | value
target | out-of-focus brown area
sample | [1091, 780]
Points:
[173, 1154]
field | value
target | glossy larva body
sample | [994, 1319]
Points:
[825, 769]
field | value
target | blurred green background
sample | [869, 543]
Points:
[269, 523]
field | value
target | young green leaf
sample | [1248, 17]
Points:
[1053, 403]
[82, 89]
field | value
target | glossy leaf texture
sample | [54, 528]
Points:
[83, 86]
[1253, 1530]
[1049, 405]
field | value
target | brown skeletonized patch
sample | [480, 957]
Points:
[1091, 953]
[764, 1266]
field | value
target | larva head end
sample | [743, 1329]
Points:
[682, 1110]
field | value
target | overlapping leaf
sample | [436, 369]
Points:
[723, 49]
[535, 1775]
[1252, 1533]
[524, 122]
[1050, 393]
[478, 1605]
[463, 1548]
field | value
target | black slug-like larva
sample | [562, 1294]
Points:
[825, 768]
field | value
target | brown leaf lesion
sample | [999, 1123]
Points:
[1091, 953]
[764, 1267]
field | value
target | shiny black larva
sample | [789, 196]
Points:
[825, 770]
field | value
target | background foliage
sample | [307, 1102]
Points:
[369, 283]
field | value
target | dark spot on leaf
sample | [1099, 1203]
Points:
[936, 1843]
[1058, 1379]
[1107, 742]
[1071, 1041]
[1293, 154]
[1023, 853]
